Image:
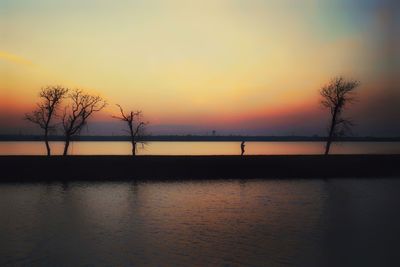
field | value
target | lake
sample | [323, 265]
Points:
[200, 148]
[321, 222]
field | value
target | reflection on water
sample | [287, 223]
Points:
[200, 148]
[204, 223]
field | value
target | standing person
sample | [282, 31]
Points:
[242, 145]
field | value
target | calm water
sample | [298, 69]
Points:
[340, 222]
[200, 148]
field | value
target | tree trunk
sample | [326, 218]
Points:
[132, 139]
[133, 148]
[46, 141]
[328, 146]
[331, 132]
[67, 140]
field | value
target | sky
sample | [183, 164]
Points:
[235, 66]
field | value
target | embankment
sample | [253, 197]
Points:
[58, 168]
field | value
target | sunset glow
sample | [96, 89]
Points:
[235, 66]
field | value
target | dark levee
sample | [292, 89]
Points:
[37, 168]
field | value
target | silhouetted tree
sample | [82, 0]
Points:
[51, 97]
[335, 96]
[75, 116]
[135, 125]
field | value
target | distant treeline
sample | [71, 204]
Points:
[212, 138]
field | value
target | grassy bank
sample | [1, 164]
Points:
[56, 168]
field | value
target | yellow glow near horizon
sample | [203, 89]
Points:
[179, 60]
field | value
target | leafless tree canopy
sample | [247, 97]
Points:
[134, 123]
[75, 116]
[335, 96]
[338, 93]
[51, 97]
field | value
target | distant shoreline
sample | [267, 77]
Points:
[114, 168]
[199, 138]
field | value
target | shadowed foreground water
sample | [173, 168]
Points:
[335, 222]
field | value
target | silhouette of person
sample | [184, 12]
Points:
[242, 145]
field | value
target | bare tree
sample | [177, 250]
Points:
[335, 96]
[135, 125]
[51, 97]
[76, 115]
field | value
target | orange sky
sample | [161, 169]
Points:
[201, 64]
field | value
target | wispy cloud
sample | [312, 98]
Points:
[9, 57]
